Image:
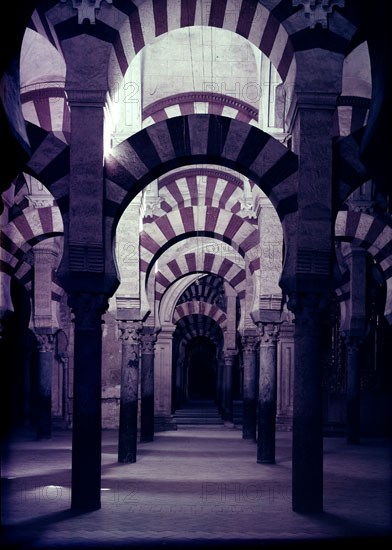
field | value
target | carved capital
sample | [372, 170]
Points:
[148, 343]
[45, 342]
[88, 309]
[268, 333]
[130, 332]
[249, 343]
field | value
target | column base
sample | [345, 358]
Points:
[266, 461]
[85, 507]
[164, 423]
[146, 439]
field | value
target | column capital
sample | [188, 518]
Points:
[130, 331]
[268, 333]
[148, 341]
[88, 309]
[45, 342]
[249, 343]
[85, 98]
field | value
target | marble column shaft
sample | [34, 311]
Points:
[250, 386]
[307, 450]
[44, 404]
[266, 417]
[127, 437]
[147, 387]
[228, 388]
[353, 389]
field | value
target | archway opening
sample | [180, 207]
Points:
[200, 364]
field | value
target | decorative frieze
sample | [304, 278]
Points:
[86, 9]
[317, 11]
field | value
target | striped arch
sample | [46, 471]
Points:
[209, 289]
[201, 308]
[375, 235]
[189, 103]
[201, 139]
[350, 173]
[195, 325]
[182, 223]
[205, 186]
[193, 262]
[278, 29]
[45, 105]
[354, 102]
[204, 139]
[351, 115]
[248, 18]
[42, 24]
[49, 163]
[42, 83]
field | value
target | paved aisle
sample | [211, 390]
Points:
[197, 486]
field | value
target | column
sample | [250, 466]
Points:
[163, 420]
[228, 387]
[127, 437]
[353, 389]
[249, 345]
[86, 434]
[44, 401]
[353, 330]
[266, 421]
[147, 386]
[307, 451]
[219, 382]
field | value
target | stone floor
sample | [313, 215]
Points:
[195, 487]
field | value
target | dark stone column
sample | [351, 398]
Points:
[353, 389]
[147, 387]
[266, 425]
[228, 388]
[86, 434]
[307, 468]
[127, 437]
[219, 384]
[249, 344]
[44, 401]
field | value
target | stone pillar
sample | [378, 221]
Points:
[85, 232]
[353, 330]
[127, 437]
[284, 416]
[228, 387]
[249, 345]
[44, 402]
[86, 434]
[219, 383]
[163, 381]
[307, 450]
[266, 421]
[353, 389]
[147, 387]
